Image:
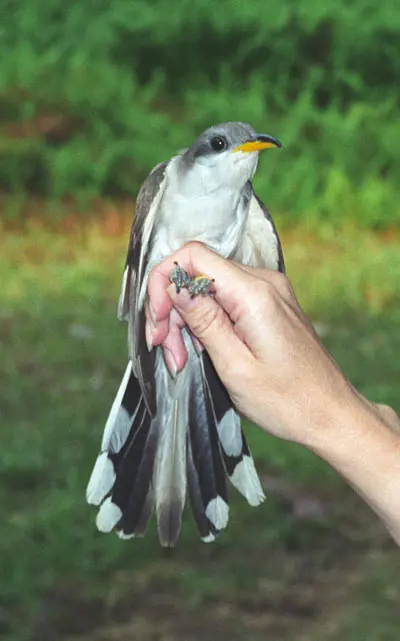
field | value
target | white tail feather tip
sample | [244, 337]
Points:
[210, 538]
[230, 434]
[108, 516]
[245, 479]
[218, 513]
[124, 536]
[101, 480]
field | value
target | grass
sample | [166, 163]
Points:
[311, 563]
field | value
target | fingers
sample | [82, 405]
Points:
[156, 331]
[168, 333]
[211, 326]
[175, 352]
[242, 292]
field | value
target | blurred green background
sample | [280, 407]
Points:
[92, 95]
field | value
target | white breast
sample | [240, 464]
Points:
[196, 212]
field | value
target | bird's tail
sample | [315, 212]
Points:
[142, 461]
[121, 480]
[192, 442]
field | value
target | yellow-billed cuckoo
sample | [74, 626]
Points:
[166, 436]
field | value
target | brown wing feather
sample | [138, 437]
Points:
[260, 246]
[130, 307]
[281, 260]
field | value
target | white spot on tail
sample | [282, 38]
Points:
[108, 516]
[101, 480]
[124, 536]
[218, 512]
[230, 434]
[208, 539]
[245, 479]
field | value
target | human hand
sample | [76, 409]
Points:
[277, 371]
[263, 347]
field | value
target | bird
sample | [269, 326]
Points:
[171, 436]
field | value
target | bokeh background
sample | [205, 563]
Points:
[92, 95]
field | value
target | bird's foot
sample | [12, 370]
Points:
[179, 278]
[195, 286]
[200, 285]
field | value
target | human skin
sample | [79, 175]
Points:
[277, 371]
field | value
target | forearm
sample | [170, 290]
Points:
[363, 445]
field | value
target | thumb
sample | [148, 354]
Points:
[211, 325]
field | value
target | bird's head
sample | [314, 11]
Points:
[227, 154]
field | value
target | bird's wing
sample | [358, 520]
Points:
[130, 305]
[261, 246]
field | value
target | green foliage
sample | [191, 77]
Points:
[131, 81]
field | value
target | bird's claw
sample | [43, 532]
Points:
[200, 285]
[195, 286]
[179, 278]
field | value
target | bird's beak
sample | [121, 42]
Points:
[258, 142]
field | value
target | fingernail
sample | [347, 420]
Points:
[170, 362]
[152, 313]
[181, 300]
[149, 337]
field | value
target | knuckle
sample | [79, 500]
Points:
[278, 285]
[264, 292]
[194, 246]
[266, 298]
[281, 283]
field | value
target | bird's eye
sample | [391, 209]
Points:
[218, 143]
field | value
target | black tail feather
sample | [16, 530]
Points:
[238, 462]
[135, 476]
[204, 525]
[146, 513]
[121, 478]
[205, 465]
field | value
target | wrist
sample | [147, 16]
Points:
[365, 451]
[351, 431]
[336, 423]
[320, 418]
